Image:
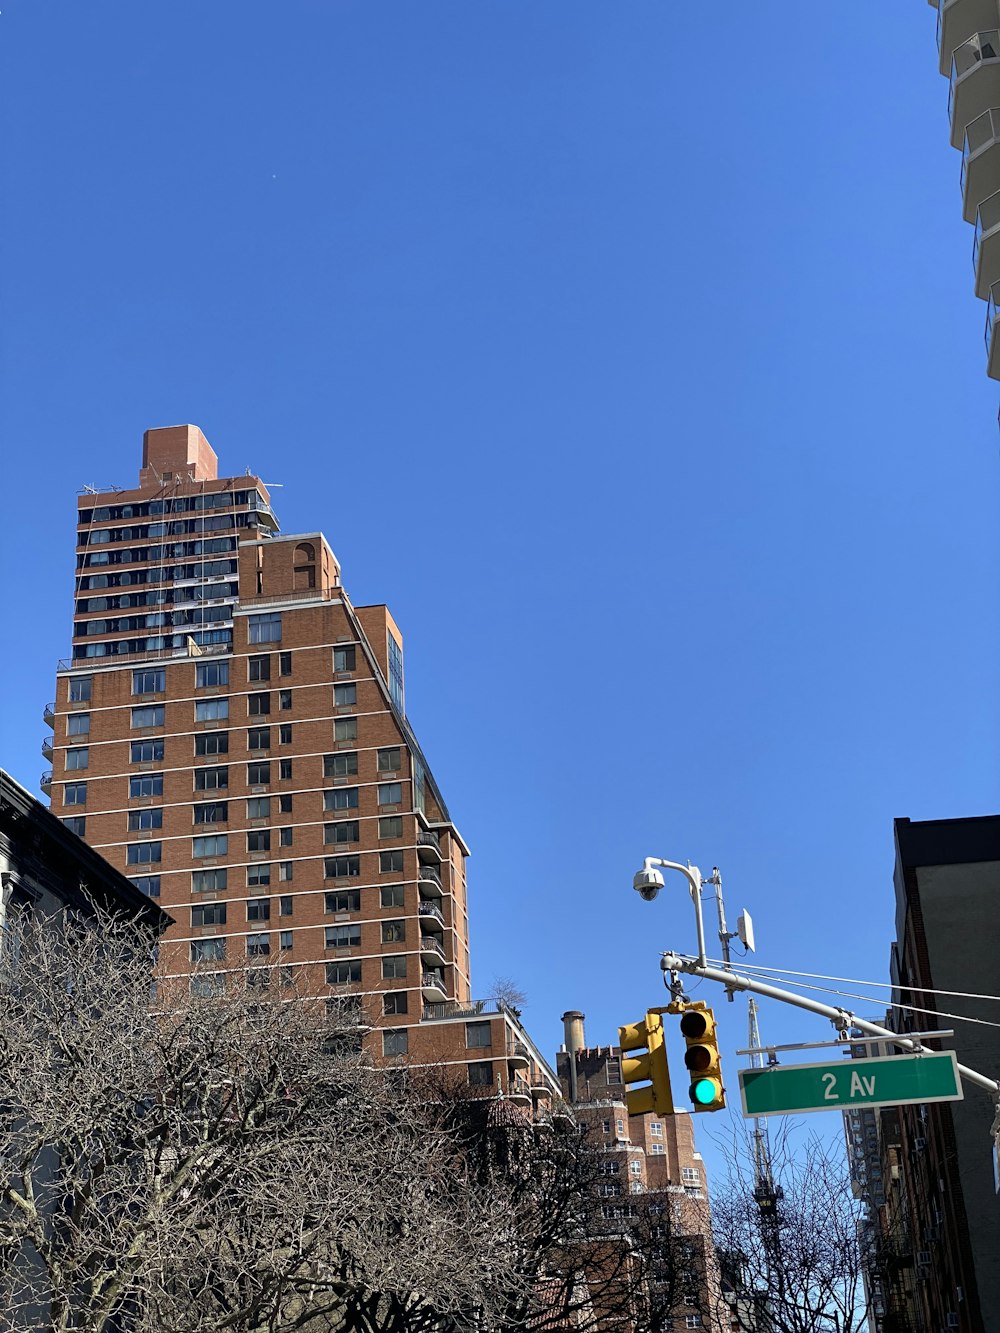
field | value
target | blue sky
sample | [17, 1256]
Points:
[631, 358]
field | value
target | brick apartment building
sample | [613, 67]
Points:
[230, 733]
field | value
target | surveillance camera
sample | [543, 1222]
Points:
[648, 883]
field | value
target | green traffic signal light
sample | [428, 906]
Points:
[705, 1091]
[702, 1058]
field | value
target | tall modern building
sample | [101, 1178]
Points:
[230, 732]
[968, 39]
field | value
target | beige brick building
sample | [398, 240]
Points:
[230, 732]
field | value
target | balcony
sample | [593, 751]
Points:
[432, 948]
[990, 333]
[975, 81]
[518, 1054]
[432, 985]
[429, 847]
[47, 748]
[958, 20]
[49, 715]
[432, 910]
[986, 245]
[429, 882]
[45, 782]
[519, 1090]
[980, 161]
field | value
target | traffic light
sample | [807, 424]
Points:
[702, 1058]
[649, 1069]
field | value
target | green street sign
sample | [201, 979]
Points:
[887, 1080]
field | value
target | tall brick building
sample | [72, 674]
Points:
[230, 732]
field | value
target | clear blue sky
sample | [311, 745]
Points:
[630, 356]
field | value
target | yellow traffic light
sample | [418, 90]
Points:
[649, 1069]
[702, 1058]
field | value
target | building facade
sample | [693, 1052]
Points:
[230, 732]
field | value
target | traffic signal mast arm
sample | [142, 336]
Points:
[673, 962]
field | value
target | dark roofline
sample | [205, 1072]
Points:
[92, 876]
[945, 842]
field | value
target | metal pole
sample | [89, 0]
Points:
[673, 962]
[693, 876]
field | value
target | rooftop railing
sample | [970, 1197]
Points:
[155, 655]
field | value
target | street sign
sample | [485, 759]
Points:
[891, 1080]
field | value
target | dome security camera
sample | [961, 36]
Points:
[648, 883]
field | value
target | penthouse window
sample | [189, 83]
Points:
[209, 674]
[147, 752]
[145, 784]
[79, 689]
[340, 765]
[78, 724]
[264, 629]
[211, 742]
[151, 715]
[211, 779]
[148, 818]
[478, 1034]
[151, 680]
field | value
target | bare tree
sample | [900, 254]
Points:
[506, 992]
[222, 1161]
[798, 1258]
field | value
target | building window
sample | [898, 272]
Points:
[146, 752]
[211, 779]
[258, 946]
[341, 798]
[286, 905]
[209, 881]
[208, 914]
[259, 807]
[284, 700]
[78, 724]
[149, 715]
[209, 674]
[207, 987]
[149, 817]
[258, 909]
[395, 672]
[481, 1074]
[635, 1167]
[342, 937]
[607, 1126]
[393, 932]
[212, 844]
[285, 836]
[394, 967]
[692, 1321]
[344, 657]
[148, 884]
[656, 1129]
[285, 803]
[145, 784]
[286, 870]
[614, 1071]
[211, 742]
[285, 940]
[151, 680]
[77, 758]
[690, 1175]
[258, 874]
[211, 710]
[390, 863]
[390, 793]
[609, 1167]
[345, 695]
[345, 728]
[259, 668]
[478, 1035]
[258, 738]
[342, 973]
[620, 1127]
[390, 759]
[390, 826]
[609, 1189]
[79, 689]
[75, 793]
[258, 704]
[347, 900]
[340, 765]
[264, 629]
[284, 664]
[259, 774]
[341, 867]
[211, 812]
[285, 733]
[212, 950]
[391, 895]
[345, 831]
[76, 824]
[143, 853]
[396, 1042]
[259, 840]
[656, 1149]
